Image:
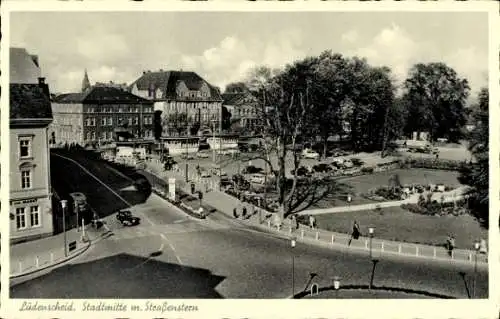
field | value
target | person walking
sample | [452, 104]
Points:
[312, 221]
[355, 233]
[244, 212]
[450, 243]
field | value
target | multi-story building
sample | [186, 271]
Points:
[30, 189]
[187, 102]
[243, 107]
[101, 114]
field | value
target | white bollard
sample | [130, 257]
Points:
[366, 244]
[302, 234]
[470, 256]
[416, 251]
[399, 249]
[434, 255]
[317, 235]
[269, 223]
[333, 238]
[37, 262]
[51, 258]
[382, 247]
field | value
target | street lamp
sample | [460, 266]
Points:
[476, 248]
[349, 199]
[64, 204]
[370, 231]
[292, 243]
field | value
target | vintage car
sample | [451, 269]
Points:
[126, 218]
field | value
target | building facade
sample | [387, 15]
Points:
[30, 188]
[187, 102]
[100, 115]
[244, 109]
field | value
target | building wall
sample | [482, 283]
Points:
[67, 124]
[100, 121]
[38, 193]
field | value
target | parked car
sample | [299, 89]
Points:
[308, 153]
[258, 178]
[126, 218]
[202, 155]
[204, 173]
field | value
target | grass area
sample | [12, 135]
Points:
[395, 223]
[359, 185]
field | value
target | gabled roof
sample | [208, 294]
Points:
[239, 98]
[167, 82]
[24, 67]
[102, 95]
[30, 101]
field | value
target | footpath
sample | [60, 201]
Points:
[265, 220]
[37, 255]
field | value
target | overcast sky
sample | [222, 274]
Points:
[222, 46]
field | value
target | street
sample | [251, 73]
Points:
[171, 255]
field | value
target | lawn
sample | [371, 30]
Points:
[359, 185]
[395, 223]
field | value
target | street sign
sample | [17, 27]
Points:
[72, 246]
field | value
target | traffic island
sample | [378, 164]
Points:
[364, 292]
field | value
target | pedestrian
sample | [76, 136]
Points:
[450, 243]
[235, 213]
[192, 188]
[355, 233]
[244, 212]
[312, 221]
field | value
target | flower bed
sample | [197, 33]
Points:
[435, 208]
[384, 193]
[432, 163]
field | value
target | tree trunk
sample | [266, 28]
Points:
[325, 145]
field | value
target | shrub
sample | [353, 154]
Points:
[250, 169]
[367, 170]
[356, 161]
[432, 163]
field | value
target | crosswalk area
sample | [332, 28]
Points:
[179, 227]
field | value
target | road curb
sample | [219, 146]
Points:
[64, 260]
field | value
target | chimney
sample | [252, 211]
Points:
[41, 81]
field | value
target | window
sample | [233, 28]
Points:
[34, 216]
[136, 110]
[88, 136]
[20, 218]
[93, 136]
[103, 135]
[24, 147]
[120, 110]
[136, 120]
[25, 179]
[120, 121]
[110, 121]
[103, 121]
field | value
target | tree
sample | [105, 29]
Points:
[436, 97]
[178, 122]
[329, 93]
[285, 107]
[236, 87]
[226, 119]
[158, 127]
[476, 175]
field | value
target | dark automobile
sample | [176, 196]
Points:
[126, 218]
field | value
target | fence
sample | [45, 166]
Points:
[27, 264]
[380, 247]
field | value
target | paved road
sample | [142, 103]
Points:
[172, 256]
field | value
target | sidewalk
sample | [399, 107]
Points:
[33, 256]
[226, 203]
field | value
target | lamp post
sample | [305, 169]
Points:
[336, 286]
[349, 199]
[64, 204]
[370, 231]
[292, 243]
[476, 248]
